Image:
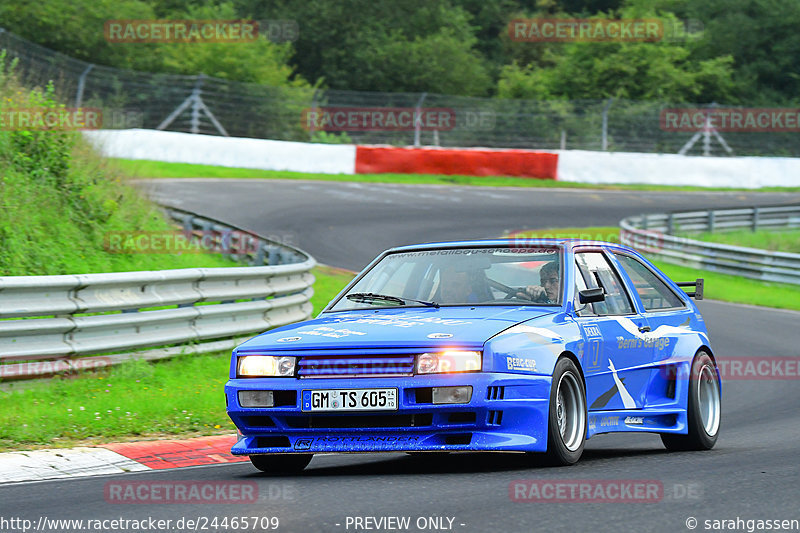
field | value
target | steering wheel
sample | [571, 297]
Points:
[511, 292]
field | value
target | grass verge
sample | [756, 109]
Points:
[781, 241]
[717, 286]
[158, 169]
[136, 400]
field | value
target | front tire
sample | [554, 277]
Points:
[280, 463]
[566, 428]
[704, 408]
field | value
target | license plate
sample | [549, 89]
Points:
[350, 400]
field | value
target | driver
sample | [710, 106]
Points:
[548, 292]
[457, 287]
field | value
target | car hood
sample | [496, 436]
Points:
[396, 328]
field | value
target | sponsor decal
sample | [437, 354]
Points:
[592, 348]
[519, 363]
[603, 421]
[303, 443]
[440, 335]
[405, 322]
[634, 420]
[289, 339]
[659, 343]
[592, 331]
[323, 331]
[618, 387]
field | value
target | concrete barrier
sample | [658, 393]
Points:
[672, 169]
[564, 165]
[177, 147]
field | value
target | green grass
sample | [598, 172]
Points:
[157, 169]
[179, 397]
[59, 200]
[783, 241]
[717, 286]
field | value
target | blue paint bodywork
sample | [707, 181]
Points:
[508, 410]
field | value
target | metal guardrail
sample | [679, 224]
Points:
[54, 322]
[654, 234]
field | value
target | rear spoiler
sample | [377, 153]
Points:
[698, 288]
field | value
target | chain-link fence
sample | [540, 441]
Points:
[201, 104]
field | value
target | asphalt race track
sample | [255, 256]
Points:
[347, 224]
[752, 474]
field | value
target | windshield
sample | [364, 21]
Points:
[460, 276]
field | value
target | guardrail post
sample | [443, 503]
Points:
[259, 259]
[711, 221]
[644, 221]
[755, 219]
[670, 223]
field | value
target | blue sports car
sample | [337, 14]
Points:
[522, 346]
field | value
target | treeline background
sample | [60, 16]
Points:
[748, 52]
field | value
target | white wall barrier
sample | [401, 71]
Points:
[672, 169]
[177, 147]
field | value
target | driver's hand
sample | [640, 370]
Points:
[534, 293]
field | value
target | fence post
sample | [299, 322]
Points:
[195, 121]
[314, 110]
[605, 124]
[418, 120]
[81, 85]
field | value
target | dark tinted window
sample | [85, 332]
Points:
[653, 292]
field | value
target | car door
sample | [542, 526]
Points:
[612, 332]
[669, 317]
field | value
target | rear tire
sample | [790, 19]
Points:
[704, 409]
[280, 463]
[566, 427]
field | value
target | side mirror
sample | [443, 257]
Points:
[588, 296]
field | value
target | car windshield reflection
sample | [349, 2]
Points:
[460, 276]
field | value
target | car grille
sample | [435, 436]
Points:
[319, 366]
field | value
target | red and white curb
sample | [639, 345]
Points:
[116, 458]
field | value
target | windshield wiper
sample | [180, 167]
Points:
[368, 297]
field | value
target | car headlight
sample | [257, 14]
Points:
[251, 366]
[448, 361]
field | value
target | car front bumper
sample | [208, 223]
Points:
[507, 412]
